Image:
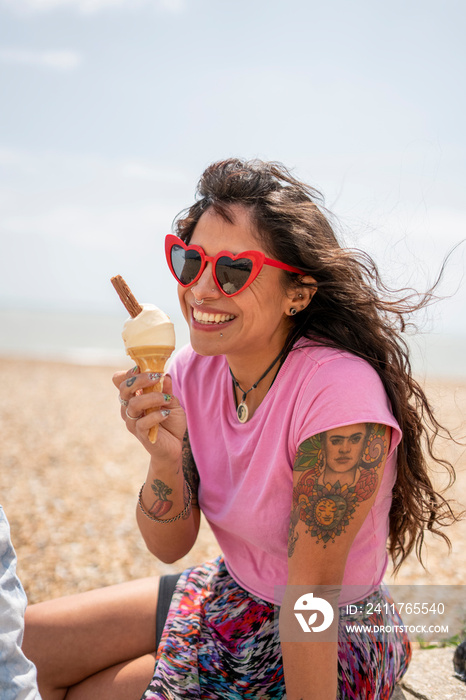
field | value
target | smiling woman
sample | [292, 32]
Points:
[292, 422]
[232, 273]
[254, 312]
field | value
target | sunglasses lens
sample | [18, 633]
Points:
[186, 264]
[233, 275]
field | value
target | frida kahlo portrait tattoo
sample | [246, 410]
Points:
[339, 471]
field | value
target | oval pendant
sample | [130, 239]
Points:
[242, 412]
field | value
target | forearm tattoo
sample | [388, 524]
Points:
[162, 503]
[189, 469]
[338, 471]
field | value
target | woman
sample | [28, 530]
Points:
[293, 423]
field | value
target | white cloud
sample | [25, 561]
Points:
[140, 170]
[88, 7]
[61, 60]
[172, 5]
[17, 160]
[105, 204]
[91, 227]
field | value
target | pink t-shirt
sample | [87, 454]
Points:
[246, 470]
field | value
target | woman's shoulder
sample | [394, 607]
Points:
[315, 356]
[337, 388]
[331, 377]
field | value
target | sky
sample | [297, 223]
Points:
[111, 109]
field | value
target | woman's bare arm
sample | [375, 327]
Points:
[168, 513]
[336, 477]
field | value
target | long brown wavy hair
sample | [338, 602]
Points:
[352, 310]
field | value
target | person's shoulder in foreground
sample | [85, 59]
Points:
[17, 673]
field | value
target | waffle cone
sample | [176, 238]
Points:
[151, 359]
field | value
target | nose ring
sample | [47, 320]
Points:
[199, 302]
[196, 301]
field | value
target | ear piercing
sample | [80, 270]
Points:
[294, 311]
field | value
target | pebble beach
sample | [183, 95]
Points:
[70, 475]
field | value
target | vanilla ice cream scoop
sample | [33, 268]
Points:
[150, 327]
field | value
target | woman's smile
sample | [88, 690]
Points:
[205, 317]
[252, 324]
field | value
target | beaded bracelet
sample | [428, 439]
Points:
[169, 520]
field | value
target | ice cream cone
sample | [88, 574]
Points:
[149, 338]
[151, 359]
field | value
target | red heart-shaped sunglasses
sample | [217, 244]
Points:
[232, 273]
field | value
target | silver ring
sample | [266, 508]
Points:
[198, 302]
[122, 401]
[132, 417]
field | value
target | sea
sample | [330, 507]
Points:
[95, 339]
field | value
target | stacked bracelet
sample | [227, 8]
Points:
[169, 520]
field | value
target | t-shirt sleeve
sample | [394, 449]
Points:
[342, 391]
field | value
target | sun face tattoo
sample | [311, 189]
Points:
[339, 470]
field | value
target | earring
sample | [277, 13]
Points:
[293, 311]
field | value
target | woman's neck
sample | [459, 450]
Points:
[255, 380]
[248, 366]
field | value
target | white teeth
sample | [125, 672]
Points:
[203, 317]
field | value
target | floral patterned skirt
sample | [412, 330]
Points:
[221, 643]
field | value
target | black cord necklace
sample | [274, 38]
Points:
[242, 411]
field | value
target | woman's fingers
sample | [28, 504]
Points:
[169, 416]
[146, 400]
[144, 423]
[118, 377]
[139, 404]
[140, 418]
[141, 395]
[167, 384]
[133, 384]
